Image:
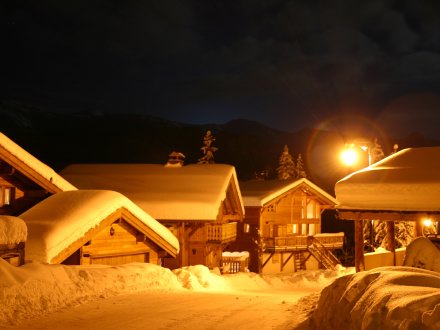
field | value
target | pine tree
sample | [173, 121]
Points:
[376, 152]
[403, 233]
[286, 169]
[299, 168]
[208, 149]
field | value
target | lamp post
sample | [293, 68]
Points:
[350, 156]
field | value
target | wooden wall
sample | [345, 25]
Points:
[116, 244]
[294, 213]
[24, 192]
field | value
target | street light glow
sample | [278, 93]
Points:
[349, 156]
[427, 222]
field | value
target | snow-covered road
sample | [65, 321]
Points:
[179, 310]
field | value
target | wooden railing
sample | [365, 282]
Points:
[329, 241]
[222, 233]
[234, 262]
[286, 242]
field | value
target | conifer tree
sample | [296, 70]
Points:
[299, 168]
[286, 169]
[208, 149]
[403, 233]
[376, 152]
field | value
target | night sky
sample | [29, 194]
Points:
[371, 65]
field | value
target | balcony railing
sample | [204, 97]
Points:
[292, 243]
[222, 233]
[331, 240]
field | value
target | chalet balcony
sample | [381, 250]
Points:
[301, 243]
[223, 233]
[331, 240]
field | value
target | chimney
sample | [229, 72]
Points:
[175, 159]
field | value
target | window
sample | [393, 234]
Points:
[7, 195]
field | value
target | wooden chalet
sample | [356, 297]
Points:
[282, 227]
[200, 203]
[24, 180]
[402, 187]
[95, 227]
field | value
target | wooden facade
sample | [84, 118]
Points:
[200, 204]
[17, 191]
[24, 180]
[202, 242]
[280, 233]
[115, 242]
[95, 227]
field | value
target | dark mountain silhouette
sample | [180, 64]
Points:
[90, 137]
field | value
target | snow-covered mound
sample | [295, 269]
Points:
[422, 253]
[35, 289]
[382, 298]
[13, 230]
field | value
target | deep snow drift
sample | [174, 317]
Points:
[36, 289]
[382, 298]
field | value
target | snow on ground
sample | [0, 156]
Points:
[141, 296]
[13, 230]
[422, 253]
[41, 296]
[382, 298]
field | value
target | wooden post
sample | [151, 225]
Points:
[390, 239]
[183, 255]
[359, 261]
[418, 229]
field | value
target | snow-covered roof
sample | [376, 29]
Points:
[13, 230]
[37, 171]
[190, 192]
[62, 219]
[260, 192]
[408, 180]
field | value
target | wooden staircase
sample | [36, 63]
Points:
[300, 261]
[324, 256]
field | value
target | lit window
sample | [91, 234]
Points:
[7, 196]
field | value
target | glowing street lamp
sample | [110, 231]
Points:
[353, 151]
[427, 223]
[349, 156]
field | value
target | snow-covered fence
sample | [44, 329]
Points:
[234, 262]
[383, 257]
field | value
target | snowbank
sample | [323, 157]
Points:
[35, 289]
[422, 253]
[383, 298]
[13, 230]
